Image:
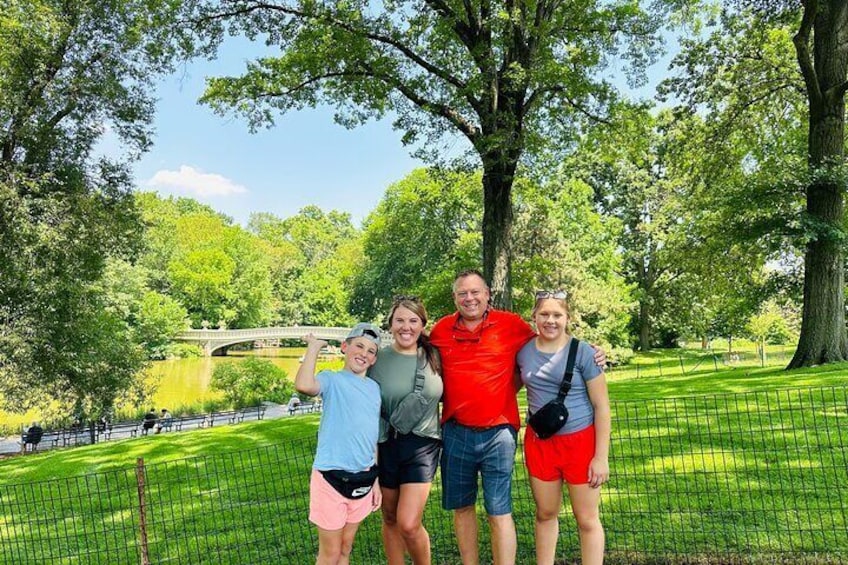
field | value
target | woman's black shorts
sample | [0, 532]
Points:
[408, 458]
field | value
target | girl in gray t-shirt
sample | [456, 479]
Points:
[576, 455]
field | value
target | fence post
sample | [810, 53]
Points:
[715, 361]
[680, 358]
[142, 511]
[659, 366]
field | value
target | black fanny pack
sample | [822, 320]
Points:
[551, 417]
[352, 485]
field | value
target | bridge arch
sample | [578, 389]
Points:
[213, 340]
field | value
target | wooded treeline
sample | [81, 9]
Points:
[713, 211]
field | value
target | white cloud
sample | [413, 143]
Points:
[196, 182]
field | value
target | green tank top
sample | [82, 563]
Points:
[395, 373]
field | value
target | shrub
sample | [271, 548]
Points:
[251, 381]
[619, 355]
[183, 351]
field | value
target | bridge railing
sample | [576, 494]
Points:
[292, 332]
[212, 340]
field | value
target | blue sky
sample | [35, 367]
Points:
[304, 159]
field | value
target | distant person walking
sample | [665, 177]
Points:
[577, 453]
[410, 433]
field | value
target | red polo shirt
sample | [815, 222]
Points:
[478, 368]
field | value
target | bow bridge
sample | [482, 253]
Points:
[215, 342]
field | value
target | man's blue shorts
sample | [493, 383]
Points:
[469, 451]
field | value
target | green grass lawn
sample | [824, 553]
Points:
[742, 465]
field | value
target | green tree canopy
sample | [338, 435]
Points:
[425, 230]
[68, 70]
[219, 272]
[508, 77]
[316, 255]
[769, 63]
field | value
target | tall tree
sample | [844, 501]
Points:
[68, 70]
[822, 50]
[507, 76]
[635, 179]
[755, 68]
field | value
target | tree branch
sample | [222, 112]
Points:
[839, 89]
[468, 129]
[536, 97]
[473, 22]
[374, 36]
[802, 49]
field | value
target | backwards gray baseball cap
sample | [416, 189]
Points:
[368, 331]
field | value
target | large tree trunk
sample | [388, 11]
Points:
[498, 177]
[644, 324]
[823, 337]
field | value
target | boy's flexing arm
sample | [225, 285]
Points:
[305, 380]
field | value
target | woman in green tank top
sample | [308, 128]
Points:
[410, 432]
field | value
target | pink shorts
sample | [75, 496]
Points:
[330, 510]
[565, 457]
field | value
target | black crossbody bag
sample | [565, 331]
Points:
[551, 417]
[352, 485]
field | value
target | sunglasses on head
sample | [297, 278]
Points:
[405, 297]
[557, 294]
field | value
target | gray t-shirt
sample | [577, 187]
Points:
[395, 373]
[542, 375]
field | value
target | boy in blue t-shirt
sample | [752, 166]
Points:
[343, 488]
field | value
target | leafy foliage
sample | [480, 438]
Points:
[316, 256]
[249, 382]
[217, 271]
[423, 231]
[508, 77]
[68, 70]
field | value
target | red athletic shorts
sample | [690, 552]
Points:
[565, 457]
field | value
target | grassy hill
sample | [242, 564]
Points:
[742, 465]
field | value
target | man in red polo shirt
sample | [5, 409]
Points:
[478, 345]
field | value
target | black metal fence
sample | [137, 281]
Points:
[737, 478]
[706, 361]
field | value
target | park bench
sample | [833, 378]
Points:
[230, 417]
[121, 429]
[189, 422]
[303, 408]
[252, 413]
[76, 436]
[51, 439]
[165, 425]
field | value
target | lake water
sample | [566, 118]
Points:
[186, 381]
